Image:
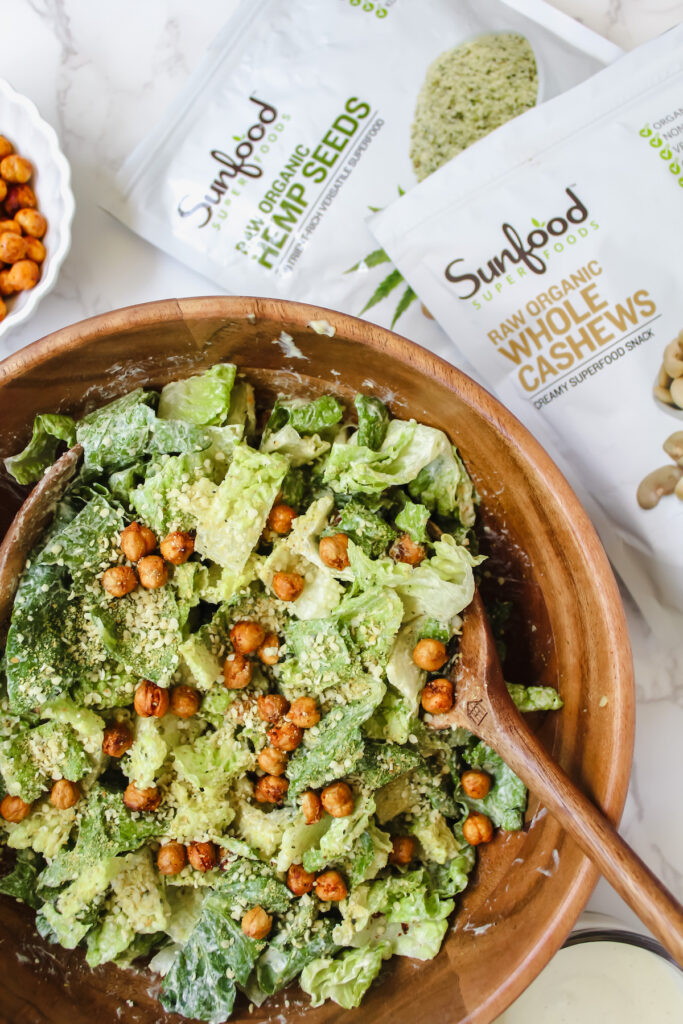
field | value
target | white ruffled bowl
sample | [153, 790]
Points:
[36, 140]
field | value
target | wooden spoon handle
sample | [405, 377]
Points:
[623, 869]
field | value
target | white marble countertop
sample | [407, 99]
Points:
[102, 74]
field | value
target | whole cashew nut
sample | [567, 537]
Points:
[678, 489]
[658, 483]
[676, 391]
[673, 361]
[663, 394]
[673, 446]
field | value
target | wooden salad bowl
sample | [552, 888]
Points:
[567, 630]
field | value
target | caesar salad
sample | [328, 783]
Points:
[223, 656]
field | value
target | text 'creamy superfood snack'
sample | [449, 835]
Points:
[550, 252]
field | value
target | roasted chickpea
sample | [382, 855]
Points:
[272, 707]
[6, 288]
[16, 168]
[150, 701]
[299, 881]
[334, 551]
[256, 924]
[269, 651]
[13, 808]
[119, 580]
[171, 858]
[285, 736]
[64, 794]
[330, 887]
[288, 585]
[3, 310]
[23, 275]
[136, 541]
[477, 828]
[280, 518]
[404, 549]
[304, 712]
[152, 572]
[202, 856]
[141, 799]
[184, 701]
[311, 806]
[10, 225]
[475, 784]
[272, 761]
[6, 147]
[12, 247]
[271, 789]
[236, 671]
[402, 850]
[337, 799]
[177, 547]
[437, 696]
[31, 222]
[3, 189]
[18, 198]
[430, 655]
[35, 250]
[247, 636]
[117, 739]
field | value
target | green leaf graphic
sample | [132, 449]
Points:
[371, 260]
[407, 298]
[385, 288]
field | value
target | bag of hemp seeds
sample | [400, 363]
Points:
[308, 115]
[551, 254]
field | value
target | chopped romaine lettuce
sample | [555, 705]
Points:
[364, 527]
[230, 523]
[373, 421]
[21, 881]
[346, 978]
[218, 956]
[48, 430]
[413, 520]
[534, 698]
[203, 400]
[505, 802]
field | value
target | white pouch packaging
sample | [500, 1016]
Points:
[307, 115]
[551, 253]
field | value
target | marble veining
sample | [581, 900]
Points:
[102, 74]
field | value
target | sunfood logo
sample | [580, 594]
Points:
[238, 162]
[532, 251]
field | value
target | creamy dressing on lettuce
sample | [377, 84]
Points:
[191, 459]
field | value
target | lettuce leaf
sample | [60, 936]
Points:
[304, 938]
[346, 978]
[337, 747]
[230, 523]
[203, 399]
[413, 519]
[505, 802]
[218, 956]
[535, 698]
[373, 421]
[48, 430]
[21, 881]
[305, 417]
[364, 527]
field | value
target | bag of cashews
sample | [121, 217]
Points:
[550, 252]
[308, 114]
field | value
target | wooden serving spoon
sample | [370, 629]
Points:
[484, 707]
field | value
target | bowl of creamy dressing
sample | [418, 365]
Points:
[604, 973]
